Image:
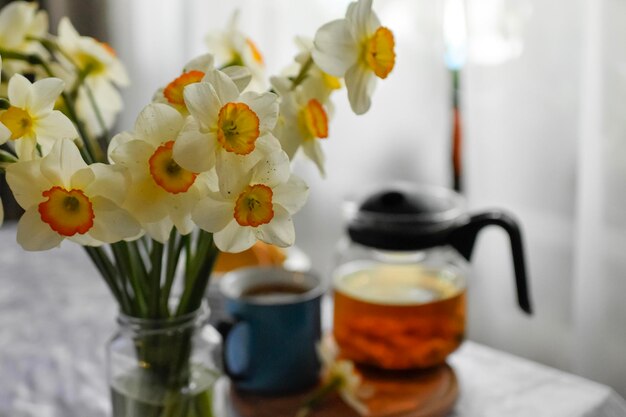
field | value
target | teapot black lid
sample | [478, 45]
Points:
[405, 217]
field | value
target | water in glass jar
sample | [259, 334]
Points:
[136, 396]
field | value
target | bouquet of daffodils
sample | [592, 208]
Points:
[206, 167]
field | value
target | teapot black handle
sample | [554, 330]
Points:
[464, 238]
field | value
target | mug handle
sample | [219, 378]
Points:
[228, 330]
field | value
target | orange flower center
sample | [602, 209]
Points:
[379, 53]
[167, 173]
[256, 54]
[313, 120]
[254, 206]
[237, 128]
[174, 91]
[18, 121]
[67, 212]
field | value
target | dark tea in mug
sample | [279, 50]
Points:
[272, 289]
[398, 316]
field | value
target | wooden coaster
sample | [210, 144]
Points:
[429, 393]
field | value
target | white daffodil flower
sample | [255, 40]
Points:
[337, 375]
[161, 194]
[31, 120]
[229, 130]
[193, 72]
[260, 210]
[20, 21]
[358, 49]
[303, 121]
[65, 198]
[316, 79]
[233, 47]
[342, 373]
[102, 71]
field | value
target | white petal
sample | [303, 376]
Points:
[159, 231]
[27, 183]
[267, 144]
[62, 162]
[19, 91]
[225, 88]
[118, 140]
[232, 171]
[66, 30]
[313, 150]
[335, 49]
[133, 154]
[26, 148]
[212, 214]
[282, 85]
[362, 18]
[147, 201]
[85, 240]
[109, 181]
[203, 103]
[117, 73]
[39, 27]
[35, 235]
[202, 63]
[180, 214]
[54, 126]
[111, 223]
[44, 94]
[290, 138]
[5, 134]
[107, 96]
[234, 238]
[241, 76]
[82, 178]
[13, 18]
[265, 106]
[272, 170]
[194, 150]
[360, 83]
[158, 123]
[279, 231]
[291, 195]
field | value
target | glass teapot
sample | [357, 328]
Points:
[400, 277]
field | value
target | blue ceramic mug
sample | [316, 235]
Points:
[269, 347]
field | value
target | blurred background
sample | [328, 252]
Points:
[542, 93]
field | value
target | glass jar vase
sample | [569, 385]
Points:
[163, 367]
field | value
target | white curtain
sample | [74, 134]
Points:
[546, 139]
[545, 132]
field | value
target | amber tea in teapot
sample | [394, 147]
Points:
[399, 279]
[399, 316]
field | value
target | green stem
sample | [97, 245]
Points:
[319, 395]
[156, 258]
[303, 73]
[175, 246]
[198, 273]
[7, 157]
[123, 261]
